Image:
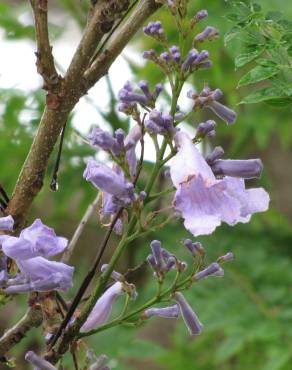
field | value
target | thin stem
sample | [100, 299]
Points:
[86, 217]
[4, 194]
[54, 181]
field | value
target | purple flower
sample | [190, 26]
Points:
[6, 223]
[42, 275]
[201, 14]
[103, 307]
[246, 169]
[166, 312]
[107, 180]
[38, 361]
[35, 240]
[162, 261]
[214, 269]
[204, 201]
[103, 139]
[191, 320]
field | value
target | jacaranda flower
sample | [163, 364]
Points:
[190, 318]
[6, 223]
[204, 201]
[103, 307]
[29, 251]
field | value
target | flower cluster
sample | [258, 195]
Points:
[30, 251]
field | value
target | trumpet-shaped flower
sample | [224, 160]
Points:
[103, 307]
[204, 201]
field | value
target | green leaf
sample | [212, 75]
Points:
[257, 74]
[266, 62]
[261, 95]
[231, 34]
[245, 58]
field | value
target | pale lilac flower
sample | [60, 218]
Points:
[166, 312]
[107, 180]
[103, 307]
[190, 318]
[205, 128]
[42, 275]
[175, 53]
[204, 201]
[35, 240]
[214, 269]
[161, 260]
[246, 169]
[38, 361]
[103, 139]
[6, 223]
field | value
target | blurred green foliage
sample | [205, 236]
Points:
[246, 315]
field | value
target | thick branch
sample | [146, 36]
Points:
[119, 39]
[33, 318]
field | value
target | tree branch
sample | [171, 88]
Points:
[120, 38]
[32, 318]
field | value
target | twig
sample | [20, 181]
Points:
[89, 212]
[4, 194]
[45, 60]
[86, 281]
[33, 318]
[54, 181]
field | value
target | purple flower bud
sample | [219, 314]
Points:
[247, 169]
[6, 223]
[171, 262]
[144, 86]
[174, 49]
[214, 269]
[203, 55]
[205, 128]
[209, 33]
[115, 275]
[165, 56]
[202, 14]
[194, 248]
[103, 307]
[142, 195]
[120, 136]
[227, 257]
[217, 152]
[191, 320]
[102, 138]
[226, 114]
[157, 91]
[154, 29]
[157, 253]
[38, 361]
[205, 65]
[149, 54]
[189, 60]
[166, 312]
[151, 260]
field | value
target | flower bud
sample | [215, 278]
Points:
[190, 318]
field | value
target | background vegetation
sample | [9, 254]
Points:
[247, 315]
